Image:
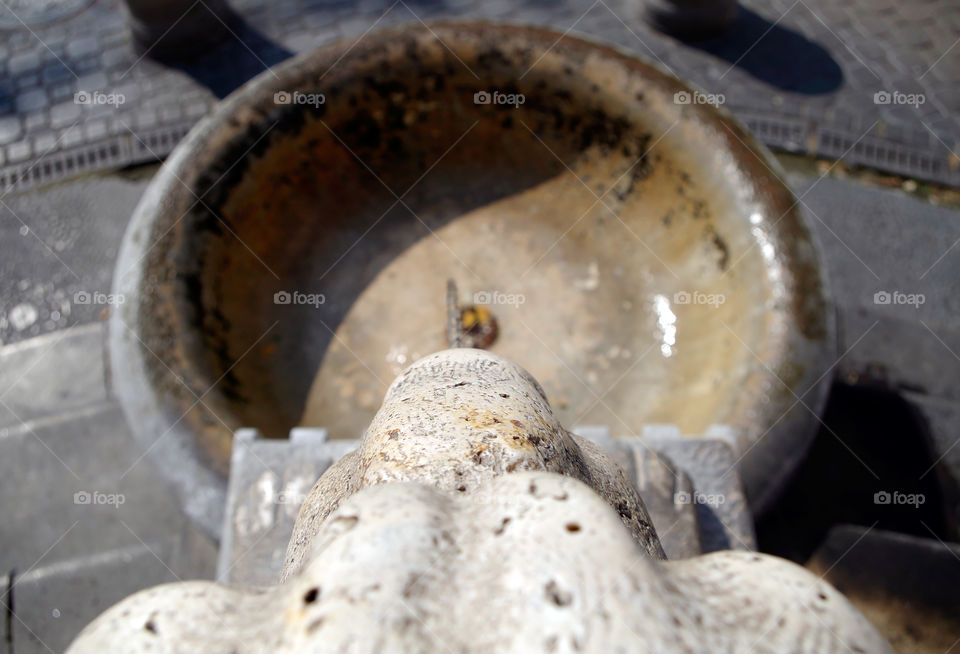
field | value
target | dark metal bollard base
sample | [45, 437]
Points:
[174, 32]
[690, 19]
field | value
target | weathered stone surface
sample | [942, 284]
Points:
[454, 420]
[469, 520]
[525, 562]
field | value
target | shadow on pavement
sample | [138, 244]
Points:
[776, 55]
[244, 54]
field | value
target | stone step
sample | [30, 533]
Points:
[53, 603]
[52, 374]
[77, 484]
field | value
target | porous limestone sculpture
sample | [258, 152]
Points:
[469, 520]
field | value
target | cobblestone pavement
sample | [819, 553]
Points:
[875, 82]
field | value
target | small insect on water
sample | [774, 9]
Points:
[470, 326]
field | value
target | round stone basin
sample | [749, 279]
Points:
[640, 254]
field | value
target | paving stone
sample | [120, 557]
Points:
[169, 113]
[45, 143]
[17, 40]
[85, 66]
[19, 151]
[115, 38]
[65, 114]
[93, 82]
[27, 81]
[24, 63]
[82, 47]
[116, 56]
[95, 130]
[83, 473]
[56, 73]
[120, 125]
[196, 109]
[130, 92]
[32, 100]
[145, 119]
[55, 602]
[62, 92]
[10, 129]
[71, 137]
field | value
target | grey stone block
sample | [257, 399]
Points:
[666, 490]
[680, 480]
[269, 481]
[723, 516]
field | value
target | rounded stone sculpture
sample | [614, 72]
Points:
[469, 520]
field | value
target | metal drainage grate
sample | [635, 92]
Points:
[784, 133]
[797, 135]
[107, 154]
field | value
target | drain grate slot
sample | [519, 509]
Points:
[115, 152]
